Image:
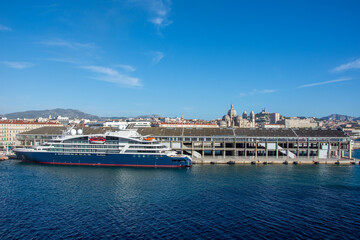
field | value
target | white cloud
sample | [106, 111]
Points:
[4, 28]
[126, 67]
[110, 75]
[63, 60]
[347, 66]
[188, 108]
[17, 65]
[99, 69]
[157, 56]
[324, 83]
[68, 44]
[158, 11]
[263, 91]
[157, 21]
[256, 92]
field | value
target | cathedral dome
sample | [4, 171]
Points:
[223, 124]
[226, 118]
[238, 118]
[232, 112]
[245, 115]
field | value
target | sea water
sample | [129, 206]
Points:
[201, 202]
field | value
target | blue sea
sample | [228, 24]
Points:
[202, 202]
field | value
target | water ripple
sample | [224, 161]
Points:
[204, 202]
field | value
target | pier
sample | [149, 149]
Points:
[262, 161]
[242, 145]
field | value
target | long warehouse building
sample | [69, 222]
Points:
[230, 142]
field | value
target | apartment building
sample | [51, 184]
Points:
[10, 128]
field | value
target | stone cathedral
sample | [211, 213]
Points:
[234, 120]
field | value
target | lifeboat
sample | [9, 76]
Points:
[97, 140]
[149, 138]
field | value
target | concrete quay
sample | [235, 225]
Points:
[3, 158]
[356, 145]
[263, 161]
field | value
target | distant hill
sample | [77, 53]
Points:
[150, 116]
[141, 116]
[339, 117]
[70, 113]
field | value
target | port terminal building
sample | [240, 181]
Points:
[230, 142]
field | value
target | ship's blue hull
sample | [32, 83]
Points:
[126, 160]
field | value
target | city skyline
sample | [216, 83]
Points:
[54, 113]
[173, 58]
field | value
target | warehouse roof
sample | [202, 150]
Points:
[59, 131]
[241, 132]
[319, 133]
[205, 132]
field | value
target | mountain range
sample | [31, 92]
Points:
[70, 113]
[54, 113]
[340, 117]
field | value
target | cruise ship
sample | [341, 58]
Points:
[120, 148]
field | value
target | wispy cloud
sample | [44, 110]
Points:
[157, 56]
[188, 108]
[110, 75]
[17, 65]
[4, 28]
[68, 44]
[263, 91]
[127, 68]
[257, 92]
[347, 66]
[63, 60]
[324, 83]
[48, 8]
[158, 11]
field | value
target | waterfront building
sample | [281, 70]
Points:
[10, 128]
[41, 119]
[232, 142]
[124, 125]
[63, 120]
[172, 120]
[274, 125]
[352, 129]
[185, 125]
[274, 118]
[295, 122]
[255, 143]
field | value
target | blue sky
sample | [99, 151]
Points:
[133, 57]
